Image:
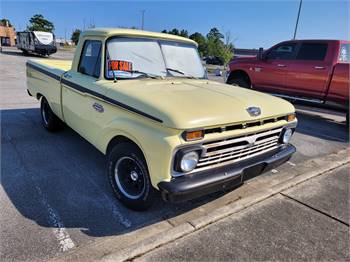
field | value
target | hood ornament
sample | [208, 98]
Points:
[254, 111]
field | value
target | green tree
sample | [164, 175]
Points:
[174, 31]
[5, 22]
[217, 47]
[75, 36]
[201, 41]
[183, 33]
[39, 23]
[214, 33]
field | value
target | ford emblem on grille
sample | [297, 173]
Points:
[253, 111]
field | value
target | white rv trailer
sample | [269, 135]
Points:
[42, 43]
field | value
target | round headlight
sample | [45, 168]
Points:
[287, 135]
[189, 161]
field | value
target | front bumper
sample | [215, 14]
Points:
[223, 178]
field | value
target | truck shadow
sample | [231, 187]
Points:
[322, 127]
[61, 176]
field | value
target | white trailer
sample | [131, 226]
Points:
[42, 43]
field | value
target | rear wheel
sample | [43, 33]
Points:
[49, 120]
[129, 177]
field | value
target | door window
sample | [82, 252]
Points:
[312, 51]
[284, 51]
[90, 61]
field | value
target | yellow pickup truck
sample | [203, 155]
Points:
[144, 100]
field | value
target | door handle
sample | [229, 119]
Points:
[281, 65]
[319, 67]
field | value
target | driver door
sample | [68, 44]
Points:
[80, 92]
[270, 72]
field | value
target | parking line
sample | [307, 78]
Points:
[64, 240]
[60, 232]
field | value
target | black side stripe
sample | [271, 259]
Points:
[88, 91]
[56, 77]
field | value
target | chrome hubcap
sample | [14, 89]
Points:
[134, 176]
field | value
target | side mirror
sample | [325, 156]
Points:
[261, 54]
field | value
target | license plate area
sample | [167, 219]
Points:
[253, 171]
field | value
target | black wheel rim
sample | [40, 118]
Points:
[129, 177]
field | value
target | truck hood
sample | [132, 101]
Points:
[187, 104]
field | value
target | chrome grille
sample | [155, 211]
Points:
[236, 149]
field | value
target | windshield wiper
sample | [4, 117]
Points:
[180, 72]
[143, 74]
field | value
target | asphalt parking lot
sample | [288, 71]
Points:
[54, 194]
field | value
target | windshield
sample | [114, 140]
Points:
[136, 57]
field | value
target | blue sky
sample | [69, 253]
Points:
[252, 23]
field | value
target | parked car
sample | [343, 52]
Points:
[161, 123]
[42, 43]
[214, 60]
[316, 71]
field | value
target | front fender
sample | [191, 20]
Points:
[156, 143]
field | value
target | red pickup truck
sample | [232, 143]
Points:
[308, 70]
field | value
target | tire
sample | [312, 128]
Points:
[129, 177]
[347, 119]
[48, 118]
[240, 81]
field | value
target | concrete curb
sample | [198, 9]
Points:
[320, 165]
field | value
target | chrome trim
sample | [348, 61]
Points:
[299, 98]
[251, 149]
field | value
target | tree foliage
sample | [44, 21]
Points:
[39, 23]
[213, 44]
[5, 22]
[202, 43]
[75, 36]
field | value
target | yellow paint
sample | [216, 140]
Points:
[182, 104]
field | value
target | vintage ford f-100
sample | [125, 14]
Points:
[144, 100]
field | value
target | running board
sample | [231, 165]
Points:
[318, 101]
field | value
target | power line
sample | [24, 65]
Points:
[296, 25]
[143, 19]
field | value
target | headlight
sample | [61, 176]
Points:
[287, 135]
[189, 161]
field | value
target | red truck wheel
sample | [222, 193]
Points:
[239, 81]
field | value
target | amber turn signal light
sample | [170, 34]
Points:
[290, 117]
[193, 135]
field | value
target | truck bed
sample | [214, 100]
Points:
[58, 67]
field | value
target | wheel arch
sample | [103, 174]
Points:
[237, 74]
[118, 139]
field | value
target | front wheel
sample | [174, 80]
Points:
[129, 177]
[239, 81]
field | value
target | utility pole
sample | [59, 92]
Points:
[143, 18]
[296, 25]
